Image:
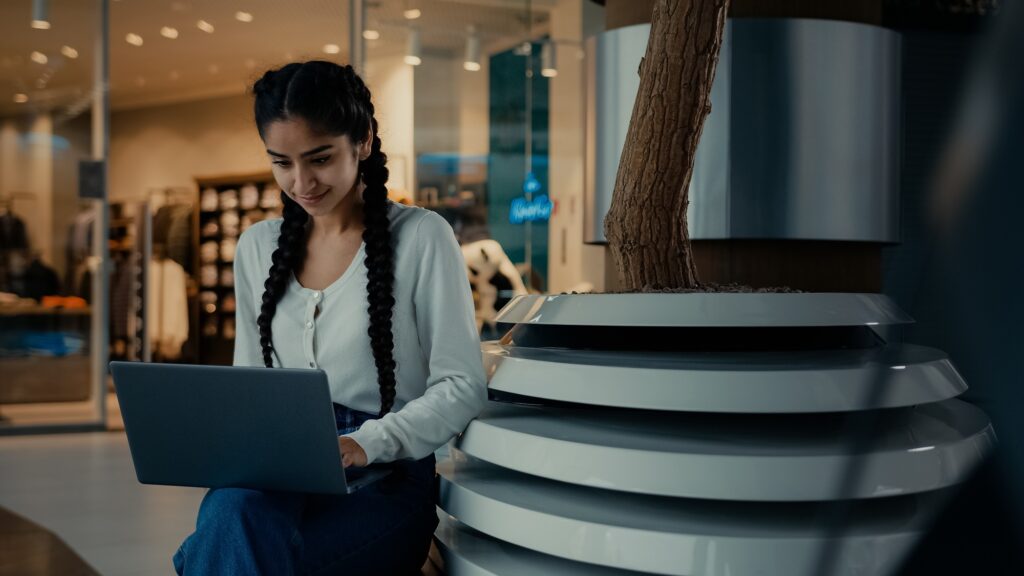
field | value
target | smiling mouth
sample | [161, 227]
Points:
[311, 198]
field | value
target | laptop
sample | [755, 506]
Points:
[221, 426]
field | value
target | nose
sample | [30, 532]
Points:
[305, 182]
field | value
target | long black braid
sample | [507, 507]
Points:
[335, 100]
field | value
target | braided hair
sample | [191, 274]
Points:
[334, 100]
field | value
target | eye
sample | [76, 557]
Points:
[282, 163]
[321, 160]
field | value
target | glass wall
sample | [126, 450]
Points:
[52, 221]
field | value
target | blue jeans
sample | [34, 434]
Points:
[384, 528]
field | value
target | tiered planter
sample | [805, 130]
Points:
[705, 434]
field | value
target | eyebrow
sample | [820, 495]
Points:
[316, 150]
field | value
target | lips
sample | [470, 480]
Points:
[312, 199]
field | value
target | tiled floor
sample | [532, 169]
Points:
[82, 487]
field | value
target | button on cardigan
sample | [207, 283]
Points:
[440, 377]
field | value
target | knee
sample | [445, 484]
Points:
[228, 506]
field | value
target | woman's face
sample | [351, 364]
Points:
[317, 171]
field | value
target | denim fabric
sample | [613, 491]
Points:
[384, 528]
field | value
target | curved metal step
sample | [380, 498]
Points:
[467, 552]
[733, 382]
[679, 536]
[736, 457]
[701, 309]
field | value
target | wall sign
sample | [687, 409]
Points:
[536, 210]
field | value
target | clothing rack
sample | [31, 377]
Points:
[155, 248]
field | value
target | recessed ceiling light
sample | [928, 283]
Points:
[168, 32]
[21, 98]
[39, 58]
[371, 34]
[412, 14]
[205, 26]
[69, 52]
[243, 16]
[331, 49]
[133, 39]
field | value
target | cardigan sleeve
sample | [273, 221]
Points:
[446, 326]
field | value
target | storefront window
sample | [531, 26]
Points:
[462, 92]
[52, 222]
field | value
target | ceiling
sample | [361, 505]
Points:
[198, 64]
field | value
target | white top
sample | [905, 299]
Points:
[440, 377]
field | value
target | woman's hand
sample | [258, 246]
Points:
[352, 453]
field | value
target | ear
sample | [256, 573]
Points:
[366, 146]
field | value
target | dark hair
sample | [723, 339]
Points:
[334, 101]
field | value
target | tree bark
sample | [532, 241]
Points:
[646, 225]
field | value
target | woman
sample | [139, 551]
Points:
[375, 294]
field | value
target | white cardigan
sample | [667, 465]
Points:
[440, 377]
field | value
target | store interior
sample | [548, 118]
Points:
[459, 89]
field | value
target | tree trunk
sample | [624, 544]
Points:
[646, 225]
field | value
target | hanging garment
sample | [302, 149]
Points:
[167, 308]
[13, 235]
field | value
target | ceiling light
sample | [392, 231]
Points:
[371, 34]
[412, 14]
[205, 26]
[41, 14]
[243, 16]
[21, 98]
[413, 49]
[174, 75]
[140, 81]
[472, 61]
[331, 49]
[168, 32]
[548, 64]
[39, 58]
[133, 39]
[69, 52]
[214, 69]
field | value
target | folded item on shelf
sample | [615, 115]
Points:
[229, 303]
[227, 250]
[211, 228]
[229, 223]
[208, 252]
[270, 197]
[208, 301]
[208, 200]
[249, 197]
[227, 276]
[69, 302]
[208, 275]
[228, 199]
